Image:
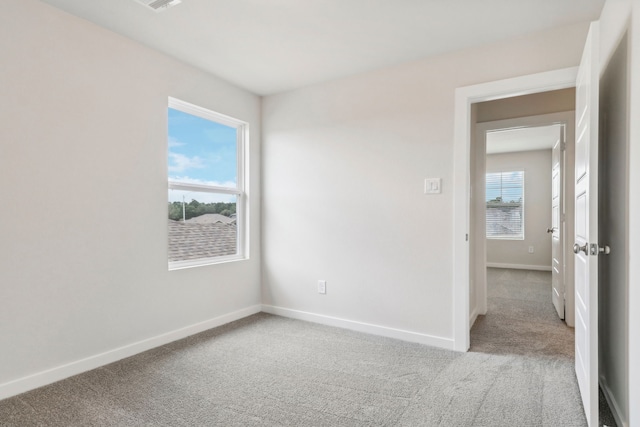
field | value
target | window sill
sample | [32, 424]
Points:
[505, 238]
[180, 265]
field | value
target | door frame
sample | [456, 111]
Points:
[565, 118]
[464, 97]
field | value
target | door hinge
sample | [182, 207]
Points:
[466, 237]
[563, 146]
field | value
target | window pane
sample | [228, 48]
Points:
[201, 225]
[505, 203]
[201, 151]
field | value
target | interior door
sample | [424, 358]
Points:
[557, 229]
[586, 226]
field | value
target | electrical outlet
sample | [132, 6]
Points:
[322, 286]
[530, 249]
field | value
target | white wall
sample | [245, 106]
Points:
[343, 170]
[83, 251]
[537, 210]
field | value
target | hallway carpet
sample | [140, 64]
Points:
[521, 318]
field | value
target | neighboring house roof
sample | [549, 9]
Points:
[211, 218]
[193, 240]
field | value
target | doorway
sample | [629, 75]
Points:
[462, 228]
[518, 193]
[521, 147]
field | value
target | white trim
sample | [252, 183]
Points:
[240, 189]
[200, 262]
[613, 403]
[205, 113]
[242, 201]
[464, 97]
[368, 328]
[58, 373]
[473, 317]
[176, 185]
[519, 266]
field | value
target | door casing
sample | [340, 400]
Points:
[464, 97]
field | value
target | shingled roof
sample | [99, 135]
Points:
[194, 240]
[211, 218]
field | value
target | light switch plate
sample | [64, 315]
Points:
[432, 185]
[322, 286]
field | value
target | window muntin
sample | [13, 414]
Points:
[206, 197]
[505, 205]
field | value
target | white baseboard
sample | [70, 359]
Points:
[368, 328]
[519, 266]
[613, 404]
[58, 373]
[473, 317]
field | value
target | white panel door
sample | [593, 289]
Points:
[586, 226]
[557, 229]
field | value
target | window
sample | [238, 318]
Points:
[505, 205]
[207, 200]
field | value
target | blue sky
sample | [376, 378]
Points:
[201, 151]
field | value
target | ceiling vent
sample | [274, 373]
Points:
[158, 5]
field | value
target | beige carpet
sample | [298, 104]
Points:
[521, 318]
[271, 371]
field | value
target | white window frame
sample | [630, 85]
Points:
[506, 171]
[242, 135]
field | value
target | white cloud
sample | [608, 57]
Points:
[180, 162]
[175, 143]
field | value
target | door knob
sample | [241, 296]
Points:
[577, 248]
[551, 230]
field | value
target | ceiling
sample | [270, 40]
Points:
[523, 139]
[270, 46]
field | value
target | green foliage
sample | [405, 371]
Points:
[195, 208]
[498, 201]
